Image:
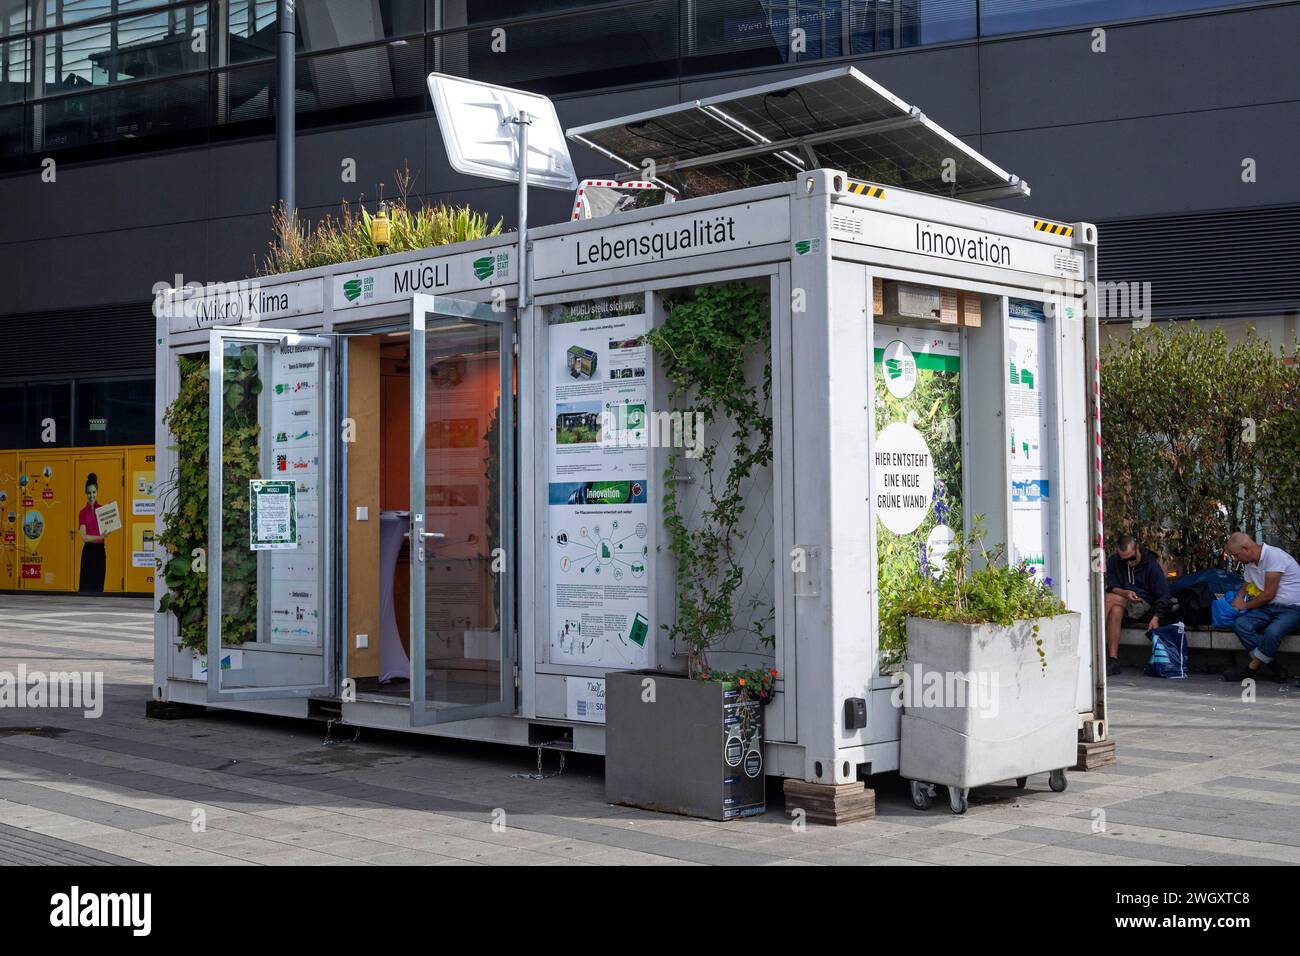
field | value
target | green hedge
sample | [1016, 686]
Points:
[1200, 437]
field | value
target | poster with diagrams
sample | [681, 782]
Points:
[598, 522]
[1027, 416]
[295, 579]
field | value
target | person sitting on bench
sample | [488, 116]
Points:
[1272, 615]
[1137, 591]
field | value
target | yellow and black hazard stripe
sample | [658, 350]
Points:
[863, 189]
[1053, 228]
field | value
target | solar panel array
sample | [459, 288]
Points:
[837, 119]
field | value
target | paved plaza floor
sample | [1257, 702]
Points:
[1203, 777]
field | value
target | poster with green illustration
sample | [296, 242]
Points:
[916, 475]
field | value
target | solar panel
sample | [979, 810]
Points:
[836, 119]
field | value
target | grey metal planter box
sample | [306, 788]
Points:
[998, 715]
[697, 749]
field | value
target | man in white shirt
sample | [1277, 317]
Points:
[1272, 615]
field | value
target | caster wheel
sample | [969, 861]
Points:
[1022, 782]
[1057, 780]
[957, 799]
[922, 795]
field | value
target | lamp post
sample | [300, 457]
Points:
[285, 105]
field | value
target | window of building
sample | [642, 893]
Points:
[573, 52]
[47, 414]
[321, 25]
[108, 52]
[115, 412]
[730, 34]
[99, 77]
[13, 423]
[1015, 16]
[89, 412]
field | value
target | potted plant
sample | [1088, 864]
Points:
[693, 743]
[989, 680]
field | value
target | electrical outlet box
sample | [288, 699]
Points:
[855, 713]
[363, 641]
[363, 513]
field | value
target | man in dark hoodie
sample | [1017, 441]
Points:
[1136, 590]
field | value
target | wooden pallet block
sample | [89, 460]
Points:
[1095, 756]
[830, 804]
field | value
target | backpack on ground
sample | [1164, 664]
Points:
[1194, 605]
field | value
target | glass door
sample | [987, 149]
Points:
[270, 485]
[463, 646]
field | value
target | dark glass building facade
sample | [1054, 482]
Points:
[136, 137]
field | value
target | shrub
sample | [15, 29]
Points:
[346, 237]
[1195, 439]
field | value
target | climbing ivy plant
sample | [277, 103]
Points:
[704, 345]
[185, 500]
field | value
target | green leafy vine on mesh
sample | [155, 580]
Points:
[704, 344]
[185, 501]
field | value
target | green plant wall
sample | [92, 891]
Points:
[184, 500]
[936, 404]
[703, 346]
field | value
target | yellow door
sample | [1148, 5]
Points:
[45, 514]
[138, 517]
[103, 506]
[9, 528]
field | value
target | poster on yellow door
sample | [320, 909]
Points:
[139, 518]
[44, 516]
[8, 521]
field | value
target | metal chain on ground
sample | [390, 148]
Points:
[329, 740]
[540, 774]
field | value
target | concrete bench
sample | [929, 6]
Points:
[1205, 639]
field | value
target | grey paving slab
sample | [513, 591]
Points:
[20, 847]
[1204, 777]
[1257, 783]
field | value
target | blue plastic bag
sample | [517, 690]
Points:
[1216, 579]
[1222, 613]
[1168, 652]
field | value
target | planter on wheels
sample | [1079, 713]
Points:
[980, 708]
[682, 746]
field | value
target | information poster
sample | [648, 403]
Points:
[295, 578]
[142, 493]
[142, 552]
[597, 506]
[1027, 415]
[138, 519]
[271, 515]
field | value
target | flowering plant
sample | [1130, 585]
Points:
[754, 683]
[995, 592]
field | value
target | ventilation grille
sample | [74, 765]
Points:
[98, 341]
[1233, 263]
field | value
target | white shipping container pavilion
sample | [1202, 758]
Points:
[406, 600]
